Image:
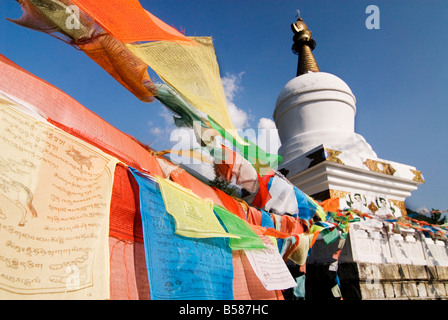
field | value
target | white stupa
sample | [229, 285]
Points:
[326, 158]
[322, 153]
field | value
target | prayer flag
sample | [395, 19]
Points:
[54, 208]
[283, 198]
[329, 235]
[192, 70]
[262, 161]
[306, 209]
[128, 21]
[194, 216]
[248, 238]
[270, 267]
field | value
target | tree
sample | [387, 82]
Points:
[224, 185]
[435, 216]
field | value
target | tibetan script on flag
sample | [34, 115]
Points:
[54, 211]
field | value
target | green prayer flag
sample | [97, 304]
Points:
[236, 226]
[329, 236]
[173, 101]
[336, 291]
[262, 161]
[299, 290]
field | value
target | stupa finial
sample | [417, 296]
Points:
[303, 46]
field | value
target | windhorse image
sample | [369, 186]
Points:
[15, 177]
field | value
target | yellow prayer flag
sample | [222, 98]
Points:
[194, 216]
[192, 70]
[55, 192]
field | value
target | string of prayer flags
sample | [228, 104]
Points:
[236, 226]
[180, 268]
[108, 33]
[193, 215]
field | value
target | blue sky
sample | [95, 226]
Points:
[399, 73]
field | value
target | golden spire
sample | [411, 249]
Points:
[303, 46]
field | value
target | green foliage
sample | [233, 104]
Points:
[434, 218]
[224, 185]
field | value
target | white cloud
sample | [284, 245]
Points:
[232, 85]
[239, 117]
[156, 131]
[423, 211]
[265, 123]
[160, 129]
[267, 136]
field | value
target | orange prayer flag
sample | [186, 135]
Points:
[313, 240]
[263, 196]
[230, 203]
[199, 188]
[128, 21]
[261, 231]
[254, 216]
[115, 58]
[330, 205]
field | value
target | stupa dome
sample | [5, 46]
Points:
[317, 108]
[316, 86]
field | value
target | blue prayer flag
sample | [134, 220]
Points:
[306, 208]
[180, 268]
